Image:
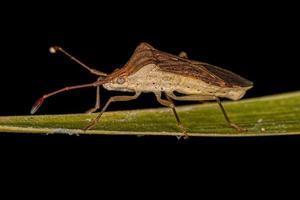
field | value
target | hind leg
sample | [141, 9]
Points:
[207, 98]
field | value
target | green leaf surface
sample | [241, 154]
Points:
[270, 115]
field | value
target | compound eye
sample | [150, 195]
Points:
[120, 80]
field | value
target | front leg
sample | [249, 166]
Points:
[97, 104]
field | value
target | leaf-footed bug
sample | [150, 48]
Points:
[151, 70]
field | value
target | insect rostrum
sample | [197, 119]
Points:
[151, 70]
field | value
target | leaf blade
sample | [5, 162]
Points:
[270, 115]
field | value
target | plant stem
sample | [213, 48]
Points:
[270, 115]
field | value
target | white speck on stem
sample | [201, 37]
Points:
[65, 131]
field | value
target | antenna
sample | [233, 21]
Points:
[55, 49]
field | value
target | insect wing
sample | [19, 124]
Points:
[208, 73]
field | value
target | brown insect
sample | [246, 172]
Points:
[151, 70]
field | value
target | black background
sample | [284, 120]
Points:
[257, 41]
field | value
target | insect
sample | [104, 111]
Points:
[151, 70]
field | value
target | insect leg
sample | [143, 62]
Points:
[171, 105]
[54, 49]
[203, 98]
[112, 99]
[39, 102]
[97, 104]
[227, 118]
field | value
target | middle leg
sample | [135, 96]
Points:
[171, 105]
[112, 99]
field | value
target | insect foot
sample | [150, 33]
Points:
[90, 126]
[93, 122]
[183, 130]
[239, 129]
